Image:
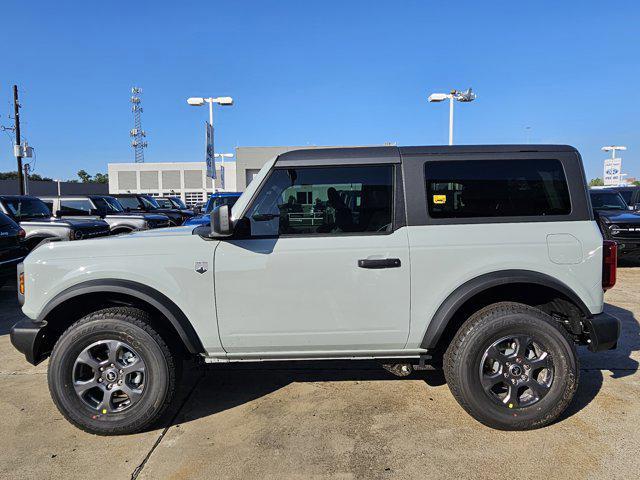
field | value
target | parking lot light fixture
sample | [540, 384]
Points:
[466, 96]
[199, 101]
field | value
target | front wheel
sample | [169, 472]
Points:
[112, 373]
[512, 367]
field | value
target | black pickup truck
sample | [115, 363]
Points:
[139, 203]
[12, 249]
[617, 221]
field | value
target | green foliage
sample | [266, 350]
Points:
[14, 176]
[97, 178]
[596, 182]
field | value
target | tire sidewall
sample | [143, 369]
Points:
[60, 373]
[554, 341]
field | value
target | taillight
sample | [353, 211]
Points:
[609, 264]
[21, 234]
[21, 283]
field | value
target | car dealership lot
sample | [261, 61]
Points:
[339, 419]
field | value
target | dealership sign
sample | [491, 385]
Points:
[612, 171]
[210, 158]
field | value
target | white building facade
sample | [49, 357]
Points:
[187, 180]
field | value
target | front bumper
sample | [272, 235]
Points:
[29, 338]
[604, 332]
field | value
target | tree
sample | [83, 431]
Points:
[97, 178]
[637, 183]
[14, 176]
[596, 182]
[84, 176]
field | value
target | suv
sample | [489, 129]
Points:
[35, 218]
[174, 203]
[484, 260]
[12, 250]
[132, 202]
[215, 200]
[616, 221]
[105, 207]
[631, 195]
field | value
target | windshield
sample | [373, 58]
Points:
[150, 202]
[243, 200]
[218, 201]
[608, 201]
[164, 202]
[27, 208]
[627, 194]
[108, 204]
[178, 203]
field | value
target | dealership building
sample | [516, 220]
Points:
[188, 180]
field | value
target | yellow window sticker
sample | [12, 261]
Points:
[439, 199]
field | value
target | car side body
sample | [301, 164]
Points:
[41, 227]
[413, 256]
[617, 221]
[12, 248]
[215, 200]
[106, 208]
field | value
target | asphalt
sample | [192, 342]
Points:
[330, 420]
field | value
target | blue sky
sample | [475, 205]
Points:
[317, 73]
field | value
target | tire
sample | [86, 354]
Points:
[492, 377]
[125, 399]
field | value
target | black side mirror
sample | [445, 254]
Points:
[221, 224]
[58, 213]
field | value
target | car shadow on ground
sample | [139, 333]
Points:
[222, 387]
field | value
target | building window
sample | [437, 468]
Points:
[193, 198]
[171, 179]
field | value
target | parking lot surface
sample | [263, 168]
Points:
[331, 420]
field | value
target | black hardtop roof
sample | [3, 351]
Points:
[392, 153]
[20, 196]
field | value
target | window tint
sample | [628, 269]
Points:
[24, 208]
[75, 207]
[129, 202]
[496, 188]
[323, 200]
[164, 202]
[627, 194]
[607, 201]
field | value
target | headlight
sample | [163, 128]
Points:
[614, 229]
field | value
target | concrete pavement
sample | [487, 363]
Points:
[331, 420]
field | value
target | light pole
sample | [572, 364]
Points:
[198, 102]
[613, 171]
[613, 149]
[466, 96]
[222, 156]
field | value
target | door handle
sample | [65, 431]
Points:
[381, 263]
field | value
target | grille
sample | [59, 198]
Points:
[625, 230]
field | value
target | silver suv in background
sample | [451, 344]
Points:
[108, 209]
[36, 220]
[483, 260]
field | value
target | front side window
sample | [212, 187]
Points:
[130, 202]
[149, 202]
[75, 207]
[164, 202]
[25, 208]
[324, 200]
[178, 203]
[496, 188]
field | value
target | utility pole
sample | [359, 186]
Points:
[16, 119]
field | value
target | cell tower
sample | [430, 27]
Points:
[137, 134]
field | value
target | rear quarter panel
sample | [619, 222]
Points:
[443, 257]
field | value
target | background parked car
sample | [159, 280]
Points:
[12, 248]
[215, 200]
[132, 202]
[631, 195]
[105, 207]
[174, 203]
[34, 217]
[617, 222]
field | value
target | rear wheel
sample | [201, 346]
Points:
[112, 373]
[512, 367]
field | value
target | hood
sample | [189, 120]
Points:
[160, 232]
[198, 220]
[620, 216]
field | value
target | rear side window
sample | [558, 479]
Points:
[496, 188]
[75, 207]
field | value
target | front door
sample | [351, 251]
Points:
[324, 268]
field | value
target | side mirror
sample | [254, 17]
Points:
[58, 213]
[221, 225]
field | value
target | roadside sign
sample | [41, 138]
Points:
[209, 158]
[612, 171]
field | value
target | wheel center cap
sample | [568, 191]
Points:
[515, 370]
[111, 376]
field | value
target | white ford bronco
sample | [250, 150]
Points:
[483, 260]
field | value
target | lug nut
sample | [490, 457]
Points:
[102, 369]
[506, 375]
[120, 382]
[508, 363]
[100, 379]
[120, 371]
[523, 377]
[112, 365]
[513, 381]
